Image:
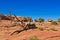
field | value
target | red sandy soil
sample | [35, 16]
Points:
[26, 35]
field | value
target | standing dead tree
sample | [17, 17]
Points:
[16, 18]
[10, 15]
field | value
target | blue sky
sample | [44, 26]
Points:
[47, 9]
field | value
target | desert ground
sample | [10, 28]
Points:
[7, 28]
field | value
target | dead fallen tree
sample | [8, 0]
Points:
[13, 25]
[27, 27]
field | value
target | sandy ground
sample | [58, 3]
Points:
[26, 35]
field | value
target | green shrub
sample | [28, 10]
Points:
[1, 15]
[34, 38]
[30, 19]
[58, 19]
[36, 20]
[41, 20]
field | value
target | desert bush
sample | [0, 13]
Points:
[41, 28]
[30, 19]
[35, 20]
[39, 20]
[34, 38]
[54, 23]
[52, 28]
[1, 15]
[58, 20]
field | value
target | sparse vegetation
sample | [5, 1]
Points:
[30, 19]
[54, 23]
[58, 19]
[39, 20]
[41, 28]
[34, 38]
[52, 28]
[1, 15]
[31, 25]
[36, 20]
